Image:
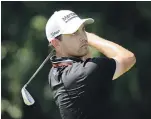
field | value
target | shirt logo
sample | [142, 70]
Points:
[68, 17]
[54, 33]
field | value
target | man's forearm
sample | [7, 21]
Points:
[108, 48]
[123, 57]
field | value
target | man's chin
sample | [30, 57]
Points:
[86, 55]
[83, 54]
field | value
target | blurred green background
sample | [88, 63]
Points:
[24, 46]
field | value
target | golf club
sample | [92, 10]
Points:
[28, 99]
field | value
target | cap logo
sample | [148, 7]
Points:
[54, 33]
[68, 17]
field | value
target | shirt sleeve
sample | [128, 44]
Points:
[106, 66]
[100, 72]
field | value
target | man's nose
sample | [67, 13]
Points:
[83, 40]
[83, 36]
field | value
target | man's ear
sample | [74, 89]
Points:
[55, 43]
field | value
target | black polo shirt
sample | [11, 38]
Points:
[82, 90]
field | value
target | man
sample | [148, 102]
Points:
[81, 84]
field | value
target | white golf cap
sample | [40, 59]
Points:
[64, 22]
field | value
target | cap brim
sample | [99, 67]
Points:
[73, 27]
[88, 21]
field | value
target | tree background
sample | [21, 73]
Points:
[24, 46]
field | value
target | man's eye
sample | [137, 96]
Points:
[76, 32]
[83, 28]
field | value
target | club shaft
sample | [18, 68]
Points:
[39, 69]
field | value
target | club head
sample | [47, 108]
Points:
[28, 99]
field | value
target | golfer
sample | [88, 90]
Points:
[81, 84]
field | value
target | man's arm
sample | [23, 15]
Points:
[123, 57]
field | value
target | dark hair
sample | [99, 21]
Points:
[58, 37]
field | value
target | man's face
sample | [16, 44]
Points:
[75, 44]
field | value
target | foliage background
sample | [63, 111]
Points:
[24, 46]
